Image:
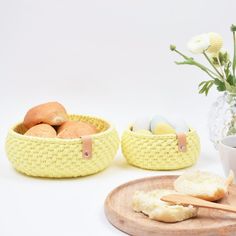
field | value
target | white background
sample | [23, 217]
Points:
[106, 58]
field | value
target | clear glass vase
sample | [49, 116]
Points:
[222, 117]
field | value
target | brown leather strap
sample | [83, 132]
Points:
[87, 147]
[182, 142]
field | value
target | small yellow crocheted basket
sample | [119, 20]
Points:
[159, 152]
[62, 158]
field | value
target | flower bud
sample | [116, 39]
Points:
[172, 47]
[233, 28]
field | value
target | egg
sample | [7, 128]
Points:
[179, 125]
[160, 125]
[163, 128]
[142, 123]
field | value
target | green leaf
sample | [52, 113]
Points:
[202, 83]
[215, 61]
[205, 86]
[228, 86]
[234, 80]
[230, 80]
[231, 89]
[220, 85]
[208, 88]
[227, 69]
[218, 82]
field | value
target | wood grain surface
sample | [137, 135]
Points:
[209, 222]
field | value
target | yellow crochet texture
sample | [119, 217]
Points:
[62, 158]
[159, 152]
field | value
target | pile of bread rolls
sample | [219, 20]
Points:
[50, 120]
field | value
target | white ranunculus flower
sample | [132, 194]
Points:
[199, 44]
[216, 42]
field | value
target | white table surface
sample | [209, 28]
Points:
[105, 58]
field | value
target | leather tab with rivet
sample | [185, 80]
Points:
[182, 142]
[87, 147]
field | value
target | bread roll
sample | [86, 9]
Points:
[203, 185]
[150, 204]
[75, 129]
[52, 113]
[42, 130]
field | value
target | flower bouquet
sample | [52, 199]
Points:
[221, 70]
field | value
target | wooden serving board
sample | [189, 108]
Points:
[209, 222]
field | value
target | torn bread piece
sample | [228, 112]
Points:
[204, 185]
[150, 204]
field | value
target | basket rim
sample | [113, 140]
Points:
[11, 131]
[154, 136]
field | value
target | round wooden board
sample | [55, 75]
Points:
[209, 222]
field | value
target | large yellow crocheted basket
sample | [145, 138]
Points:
[62, 158]
[159, 152]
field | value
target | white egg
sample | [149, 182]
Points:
[179, 125]
[142, 123]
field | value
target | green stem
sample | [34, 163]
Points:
[204, 68]
[208, 59]
[222, 70]
[234, 59]
[209, 74]
[181, 54]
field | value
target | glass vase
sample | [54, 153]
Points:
[222, 118]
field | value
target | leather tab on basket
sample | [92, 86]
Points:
[182, 142]
[86, 147]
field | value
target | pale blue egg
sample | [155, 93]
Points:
[179, 125]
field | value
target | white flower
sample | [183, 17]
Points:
[216, 42]
[210, 42]
[199, 43]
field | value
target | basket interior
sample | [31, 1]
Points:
[101, 125]
[130, 130]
